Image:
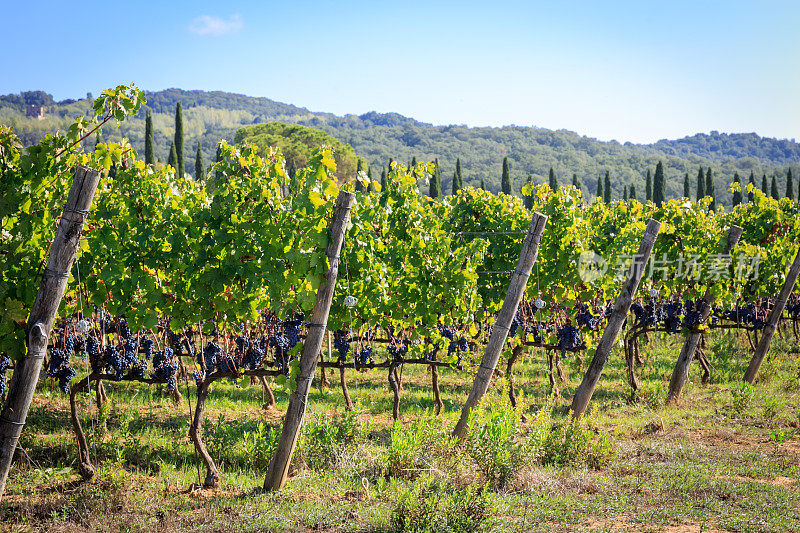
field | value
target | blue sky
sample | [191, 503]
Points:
[630, 71]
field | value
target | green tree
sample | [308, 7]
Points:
[384, 181]
[659, 185]
[752, 182]
[149, 142]
[576, 183]
[607, 188]
[458, 182]
[648, 186]
[632, 193]
[764, 185]
[701, 184]
[789, 185]
[552, 180]
[710, 189]
[505, 182]
[483, 184]
[179, 138]
[359, 170]
[528, 198]
[599, 189]
[435, 190]
[736, 199]
[172, 160]
[216, 160]
[199, 167]
[625, 193]
[687, 189]
[774, 191]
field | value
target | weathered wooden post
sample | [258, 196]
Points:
[621, 307]
[772, 321]
[530, 249]
[51, 290]
[681, 372]
[279, 465]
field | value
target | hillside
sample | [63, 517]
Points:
[377, 137]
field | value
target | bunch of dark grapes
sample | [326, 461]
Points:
[115, 363]
[291, 329]
[211, 354]
[138, 370]
[165, 368]
[672, 319]
[365, 355]
[59, 367]
[69, 345]
[446, 332]
[341, 341]
[93, 349]
[535, 330]
[5, 364]
[253, 357]
[398, 353]
[147, 347]
[241, 343]
[281, 345]
[124, 330]
[458, 347]
[638, 312]
[515, 324]
[586, 319]
[569, 338]
[198, 377]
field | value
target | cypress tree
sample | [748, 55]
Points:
[752, 182]
[528, 198]
[736, 199]
[413, 161]
[648, 186]
[483, 185]
[710, 189]
[179, 138]
[659, 185]
[552, 180]
[149, 143]
[607, 189]
[764, 185]
[216, 160]
[436, 181]
[789, 185]
[775, 193]
[199, 168]
[687, 190]
[384, 182]
[369, 175]
[458, 182]
[599, 189]
[576, 183]
[359, 170]
[625, 193]
[292, 170]
[701, 184]
[505, 182]
[173, 158]
[632, 193]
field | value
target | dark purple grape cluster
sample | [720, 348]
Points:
[138, 370]
[638, 312]
[147, 346]
[242, 343]
[586, 319]
[93, 349]
[165, 368]
[211, 354]
[341, 341]
[291, 328]
[569, 338]
[515, 324]
[5, 364]
[59, 367]
[446, 332]
[227, 363]
[673, 313]
[123, 329]
[365, 355]
[398, 353]
[253, 357]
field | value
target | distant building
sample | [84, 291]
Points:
[35, 111]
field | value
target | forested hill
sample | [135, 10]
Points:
[377, 137]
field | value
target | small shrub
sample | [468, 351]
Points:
[574, 444]
[260, 444]
[405, 448]
[742, 397]
[772, 406]
[427, 506]
[322, 440]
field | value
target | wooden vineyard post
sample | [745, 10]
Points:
[279, 465]
[497, 338]
[43, 313]
[585, 391]
[772, 321]
[681, 372]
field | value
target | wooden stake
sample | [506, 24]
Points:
[681, 372]
[772, 321]
[519, 280]
[621, 307]
[51, 291]
[279, 465]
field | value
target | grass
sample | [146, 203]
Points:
[726, 459]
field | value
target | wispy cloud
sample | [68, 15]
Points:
[216, 26]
